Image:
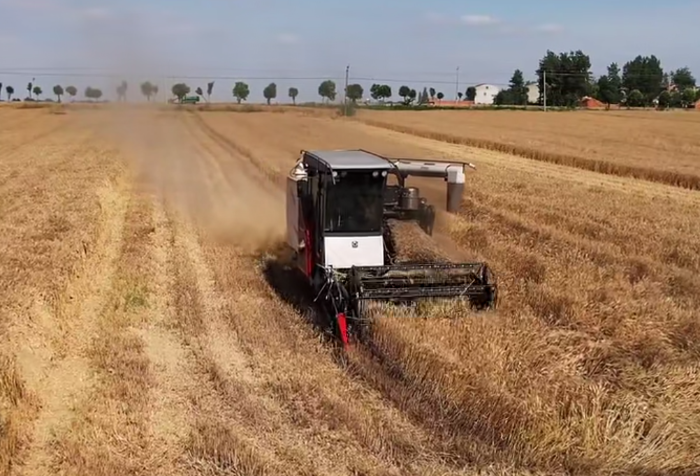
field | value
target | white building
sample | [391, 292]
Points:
[485, 93]
[533, 93]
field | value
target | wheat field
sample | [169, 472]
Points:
[653, 145]
[143, 332]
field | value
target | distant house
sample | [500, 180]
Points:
[591, 103]
[533, 93]
[485, 93]
[448, 103]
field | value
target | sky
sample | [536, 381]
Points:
[300, 43]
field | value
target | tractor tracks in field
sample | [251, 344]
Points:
[404, 393]
[271, 174]
[53, 356]
[246, 345]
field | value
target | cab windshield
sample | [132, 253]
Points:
[355, 203]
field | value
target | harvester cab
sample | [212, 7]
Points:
[338, 205]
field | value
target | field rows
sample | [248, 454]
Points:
[602, 311]
[151, 331]
[657, 147]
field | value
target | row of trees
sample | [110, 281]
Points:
[642, 81]
[36, 91]
[241, 90]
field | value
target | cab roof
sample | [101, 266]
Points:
[350, 159]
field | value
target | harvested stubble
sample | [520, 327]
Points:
[582, 370]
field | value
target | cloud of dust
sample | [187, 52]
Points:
[218, 192]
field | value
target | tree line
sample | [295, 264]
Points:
[241, 91]
[564, 78]
[35, 91]
[641, 82]
[327, 90]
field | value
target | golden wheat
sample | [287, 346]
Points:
[587, 327]
[137, 302]
[663, 151]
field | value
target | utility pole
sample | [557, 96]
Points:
[544, 85]
[345, 95]
[457, 85]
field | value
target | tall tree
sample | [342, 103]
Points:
[635, 98]
[93, 93]
[210, 89]
[440, 96]
[199, 92]
[293, 93]
[270, 92]
[58, 91]
[327, 90]
[515, 94]
[405, 93]
[688, 97]
[432, 93]
[518, 90]
[609, 86]
[180, 90]
[380, 92]
[568, 77]
[37, 91]
[615, 82]
[9, 90]
[470, 93]
[147, 90]
[664, 100]
[374, 92]
[30, 88]
[683, 79]
[241, 91]
[354, 92]
[386, 91]
[645, 74]
[72, 91]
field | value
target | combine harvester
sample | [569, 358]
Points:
[338, 206]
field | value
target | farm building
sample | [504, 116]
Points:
[485, 93]
[533, 93]
[591, 103]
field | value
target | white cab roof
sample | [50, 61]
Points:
[351, 159]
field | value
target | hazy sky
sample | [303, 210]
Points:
[414, 42]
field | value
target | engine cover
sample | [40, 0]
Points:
[344, 252]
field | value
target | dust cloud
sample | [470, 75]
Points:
[219, 191]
